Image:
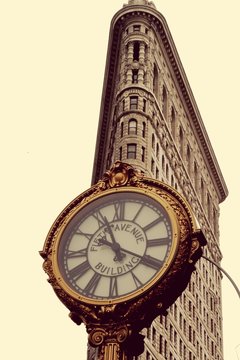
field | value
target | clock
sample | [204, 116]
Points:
[115, 246]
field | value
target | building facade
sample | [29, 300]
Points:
[149, 119]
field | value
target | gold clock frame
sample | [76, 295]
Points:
[114, 326]
[174, 246]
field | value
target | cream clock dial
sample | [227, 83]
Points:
[115, 247]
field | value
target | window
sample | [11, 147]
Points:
[143, 153]
[123, 105]
[132, 127]
[161, 344]
[164, 101]
[136, 48]
[202, 191]
[163, 162]
[152, 166]
[188, 159]
[157, 151]
[167, 172]
[154, 336]
[133, 102]
[144, 105]
[136, 27]
[153, 141]
[155, 80]
[173, 122]
[195, 169]
[135, 76]
[120, 153]
[121, 129]
[131, 151]
[143, 129]
[157, 173]
[181, 145]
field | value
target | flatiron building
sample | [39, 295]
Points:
[149, 119]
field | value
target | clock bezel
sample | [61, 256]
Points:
[160, 274]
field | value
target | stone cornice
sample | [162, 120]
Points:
[153, 16]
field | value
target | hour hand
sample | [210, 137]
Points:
[115, 247]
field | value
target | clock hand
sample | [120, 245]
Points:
[115, 246]
[144, 259]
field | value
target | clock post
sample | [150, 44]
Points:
[119, 255]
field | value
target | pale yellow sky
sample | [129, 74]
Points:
[52, 65]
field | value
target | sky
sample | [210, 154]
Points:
[52, 66]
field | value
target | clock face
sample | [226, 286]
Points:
[115, 247]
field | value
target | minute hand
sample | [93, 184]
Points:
[146, 259]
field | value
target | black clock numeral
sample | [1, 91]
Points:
[88, 236]
[92, 284]
[151, 224]
[100, 218]
[119, 211]
[137, 282]
[113, 288]
[79, 270]
[158, 242]
[77, 253]
[151, 262]
[138, 212]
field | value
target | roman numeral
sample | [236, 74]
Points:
[119, 211]
[92, 284]
[137, 282]
[153, 223]
[138, 212]
[151, 262]
[100, 218]
[79, 270]
[158, 242]
[113, 288]
[77, 253]
[80, 232]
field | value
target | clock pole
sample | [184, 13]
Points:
[115, 342]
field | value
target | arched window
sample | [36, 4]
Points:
[132, 127]
[164, 101]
